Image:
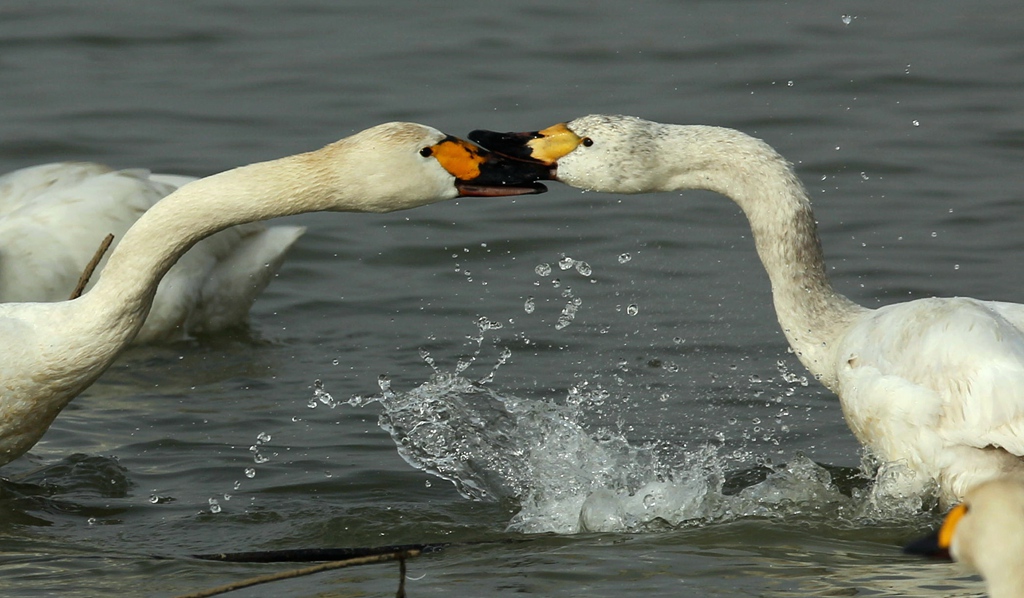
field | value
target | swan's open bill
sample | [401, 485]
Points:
[985, 533]
[53, 351]
[935, 383]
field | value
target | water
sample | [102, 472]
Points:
[645, 384]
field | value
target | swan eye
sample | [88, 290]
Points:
[427, 152]
[587, 142]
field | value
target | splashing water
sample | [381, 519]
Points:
[567, 478]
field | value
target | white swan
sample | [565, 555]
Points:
[985, 533]
[53, 351]
[53, 217]
[936, 383]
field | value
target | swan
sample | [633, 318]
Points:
[985, 533]
[53, 351]
[937, 383]
[53, 217]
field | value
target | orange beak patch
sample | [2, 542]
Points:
[462, 159]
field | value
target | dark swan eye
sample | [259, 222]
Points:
[587, 142]
[427, 152]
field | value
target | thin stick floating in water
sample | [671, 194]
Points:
[309, 555]
[399, 555]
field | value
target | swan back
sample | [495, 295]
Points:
[53, 217]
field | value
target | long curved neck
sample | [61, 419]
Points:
[123, 295]
[748, 171]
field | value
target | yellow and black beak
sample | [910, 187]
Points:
[480, 173]
[543, 147]
[936, 544]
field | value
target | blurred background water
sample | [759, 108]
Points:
[551, 355]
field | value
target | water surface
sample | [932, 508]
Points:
[667, 379]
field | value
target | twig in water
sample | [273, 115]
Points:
[91, 267]
[400, 555]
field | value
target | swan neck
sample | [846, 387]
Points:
[765, 187]
[124, 291]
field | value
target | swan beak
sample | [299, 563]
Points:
[480, 173]
[545, 147]
[937, 543]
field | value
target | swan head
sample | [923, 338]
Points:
[983, 530]
[404, 165]
[613, 154]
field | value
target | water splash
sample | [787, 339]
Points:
[567, 478]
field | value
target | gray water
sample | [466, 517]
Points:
[665, 388]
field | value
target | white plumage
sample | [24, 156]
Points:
[54, 216]
[986, 534]
[937, 384]
[53, 351]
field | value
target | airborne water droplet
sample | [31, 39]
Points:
[632, 309]
[529, 305]
[543, 269]
[624, 257]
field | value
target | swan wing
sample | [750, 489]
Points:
[213, 286]
[936, 373]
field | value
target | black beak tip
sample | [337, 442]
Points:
[928, 546]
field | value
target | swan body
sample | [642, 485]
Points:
[53, 217]
[935, 383]
[986, 534]
[53, 351]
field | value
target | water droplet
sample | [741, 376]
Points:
[789, 83]
[847, 19]
[632, 309]
[624, 257]
[543, 270]
[250, 472]
[214, 505]
[583, 268]
[934, 234]
[916, 123]
[529, 305]
[427, 483]
[956, 266]
[566, 262]
[263, 438]
[649, 501]
[335, 362]
[320, 395]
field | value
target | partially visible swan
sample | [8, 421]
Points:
[986, 533]
[53, 351]
[53, 217]
[935, 383]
